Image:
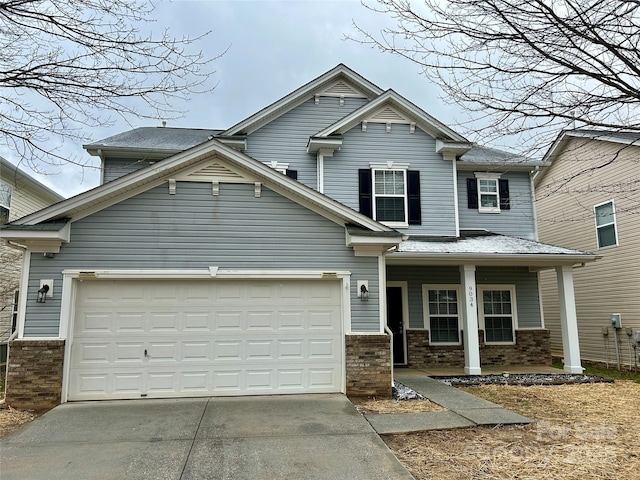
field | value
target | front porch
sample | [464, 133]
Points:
[488, 370]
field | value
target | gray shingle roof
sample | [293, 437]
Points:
[156, 138]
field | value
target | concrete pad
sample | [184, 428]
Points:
[97, 461]
[321, 457]
[493, 416]
[387, 423]
[106, 421]
[296, 437]
[287, 415]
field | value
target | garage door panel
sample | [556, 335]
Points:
[211, 338]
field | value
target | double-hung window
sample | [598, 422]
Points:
[390, 196]
[488, 193]
[606, 229]
[390, 193]
[5, 202]
[441, 307]
[498, 313]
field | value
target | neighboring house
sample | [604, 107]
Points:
[589, 199]
[20, 195]
[279, 255]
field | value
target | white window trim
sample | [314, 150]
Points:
[514, 311]
[488, 176]
[615, 224]
[427, 316]
[390, 166]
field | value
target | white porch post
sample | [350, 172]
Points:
[568, 320]
[470, 320]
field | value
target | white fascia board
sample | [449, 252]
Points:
[452, 148]
[64, 234]
[124, 187]
[314, 144]
[423, 120]
[88, 274]
[522, 260]
[298, 97]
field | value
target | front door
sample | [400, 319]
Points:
[395, 322]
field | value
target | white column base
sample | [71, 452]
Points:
[472, 371]
[573, 370]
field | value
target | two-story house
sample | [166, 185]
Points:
[588, 198]
[311, 247]
[20, 194]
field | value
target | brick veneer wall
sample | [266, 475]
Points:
[34, 374]
[533, 347]
[368, 364]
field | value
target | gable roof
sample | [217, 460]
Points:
[390, 98]
[340, 72]
[630, 138]
[196, 157]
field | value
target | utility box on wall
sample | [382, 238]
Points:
[616, 320]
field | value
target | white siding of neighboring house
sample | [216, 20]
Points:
[565, 217]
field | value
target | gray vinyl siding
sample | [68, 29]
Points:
[518, 221]
[526, 283]
[417, 149]
[118, 167]
[195, 230]
[285, 138]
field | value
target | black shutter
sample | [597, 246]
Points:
[364, 189]
[413, 195]
[292, 174]
[472, 193]
[503, 191]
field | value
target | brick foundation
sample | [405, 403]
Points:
[533, 347]
[368, 364]
[34, 374]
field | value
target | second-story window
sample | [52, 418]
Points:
[488, 193]
[390, 194]
[606, 224]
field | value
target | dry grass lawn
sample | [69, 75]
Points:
[581, 432]
[11, 420]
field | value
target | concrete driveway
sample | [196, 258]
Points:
[276, 437]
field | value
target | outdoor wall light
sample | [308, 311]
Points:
[362, 290]
[42, 294]
[364, 293]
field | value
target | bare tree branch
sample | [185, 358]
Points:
[527, 69]
[67, 65]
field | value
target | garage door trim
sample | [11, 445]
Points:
[72, 277]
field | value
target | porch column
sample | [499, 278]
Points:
[470, 320]
[568, 320]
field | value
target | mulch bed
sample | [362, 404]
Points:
[523, 379]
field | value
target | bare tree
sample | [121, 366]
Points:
[527, 68]
[70, 64]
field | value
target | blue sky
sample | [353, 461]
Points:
[274, 47]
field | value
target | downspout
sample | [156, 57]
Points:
[532, 176]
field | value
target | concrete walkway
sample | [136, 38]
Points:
[463, 409]
[277, 437]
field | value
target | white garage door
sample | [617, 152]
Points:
[161, 338]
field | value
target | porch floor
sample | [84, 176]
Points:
[488, 370]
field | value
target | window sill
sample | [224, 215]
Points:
[395, 224]
[489, 210]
